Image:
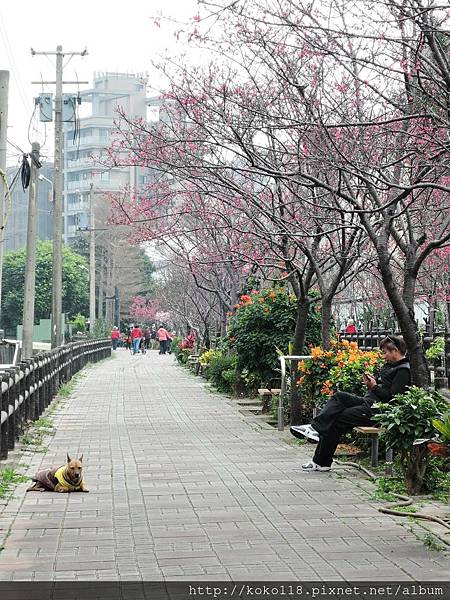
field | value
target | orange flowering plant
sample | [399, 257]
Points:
[264, 320]
[340, 368]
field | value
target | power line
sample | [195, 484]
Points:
[16, 72]
[15, 146]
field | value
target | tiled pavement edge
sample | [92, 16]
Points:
[182, 486]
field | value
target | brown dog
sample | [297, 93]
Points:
[67, 478]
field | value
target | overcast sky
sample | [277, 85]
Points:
[119, 36]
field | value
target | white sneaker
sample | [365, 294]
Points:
[312, 466]
[307, 430]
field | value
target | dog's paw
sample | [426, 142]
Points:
[60, 489]
[85, 491]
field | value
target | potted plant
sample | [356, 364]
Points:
[406, 420]
[441, 445]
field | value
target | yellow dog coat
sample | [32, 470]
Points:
[50, 478]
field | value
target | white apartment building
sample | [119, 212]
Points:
[110, 90]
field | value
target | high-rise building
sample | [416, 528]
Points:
[16, 226]
[110, 90]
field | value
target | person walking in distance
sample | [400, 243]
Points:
[343, 411]
[136, 336]
[147, 337]
[163, 337]
[115, 337]
[351, 327]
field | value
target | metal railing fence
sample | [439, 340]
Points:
[27, 388]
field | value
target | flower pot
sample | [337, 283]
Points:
[438, 449]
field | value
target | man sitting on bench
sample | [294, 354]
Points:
[344, 411]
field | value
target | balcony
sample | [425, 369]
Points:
[83, 185]
[81, 163]
[77, 206]
[89, 164]
[93, 141]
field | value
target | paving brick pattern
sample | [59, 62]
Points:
[183, 486]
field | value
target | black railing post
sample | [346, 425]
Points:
[11, 407]
[4, 420]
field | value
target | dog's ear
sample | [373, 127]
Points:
[68, 458]
[81, 458]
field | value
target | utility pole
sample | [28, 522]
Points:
[57, 333]
[30, 266]
[4, 89]
[57, 339]
[92, 260]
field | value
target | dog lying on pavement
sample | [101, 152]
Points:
[68, 478]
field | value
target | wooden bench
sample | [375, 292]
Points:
[374, 433]
[193, 363]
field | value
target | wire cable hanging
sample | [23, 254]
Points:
[4, 217]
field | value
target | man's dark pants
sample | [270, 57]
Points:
[162, 346]
[341, 413]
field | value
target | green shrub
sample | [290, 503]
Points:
[436, 349]
[181, 354]
[175, 346]
[221, 372]
[264, 321]
[79, 323]
[443, 428]
[408, 417]
[102, 329]
[206, 357]
[437, 478]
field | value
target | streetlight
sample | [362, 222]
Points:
[52, 189]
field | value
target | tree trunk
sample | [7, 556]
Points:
[415, 469]
[109, 290]
[420, 375]
[101, 286]
[206, 338]
[447, 304]
[406, 320]
[326, 322]
[296, 401]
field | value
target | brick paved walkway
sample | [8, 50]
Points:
[184, 486]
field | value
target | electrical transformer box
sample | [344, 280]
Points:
[81, 220]
[69, 107]
[45, 103]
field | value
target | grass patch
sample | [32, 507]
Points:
[34, 436]
[407, 509]
[66, 389]
[9, 478]
[294, 441]
[387, 486]
[430, 542]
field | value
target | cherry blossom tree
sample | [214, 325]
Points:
[314, 144]
[366, 96]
